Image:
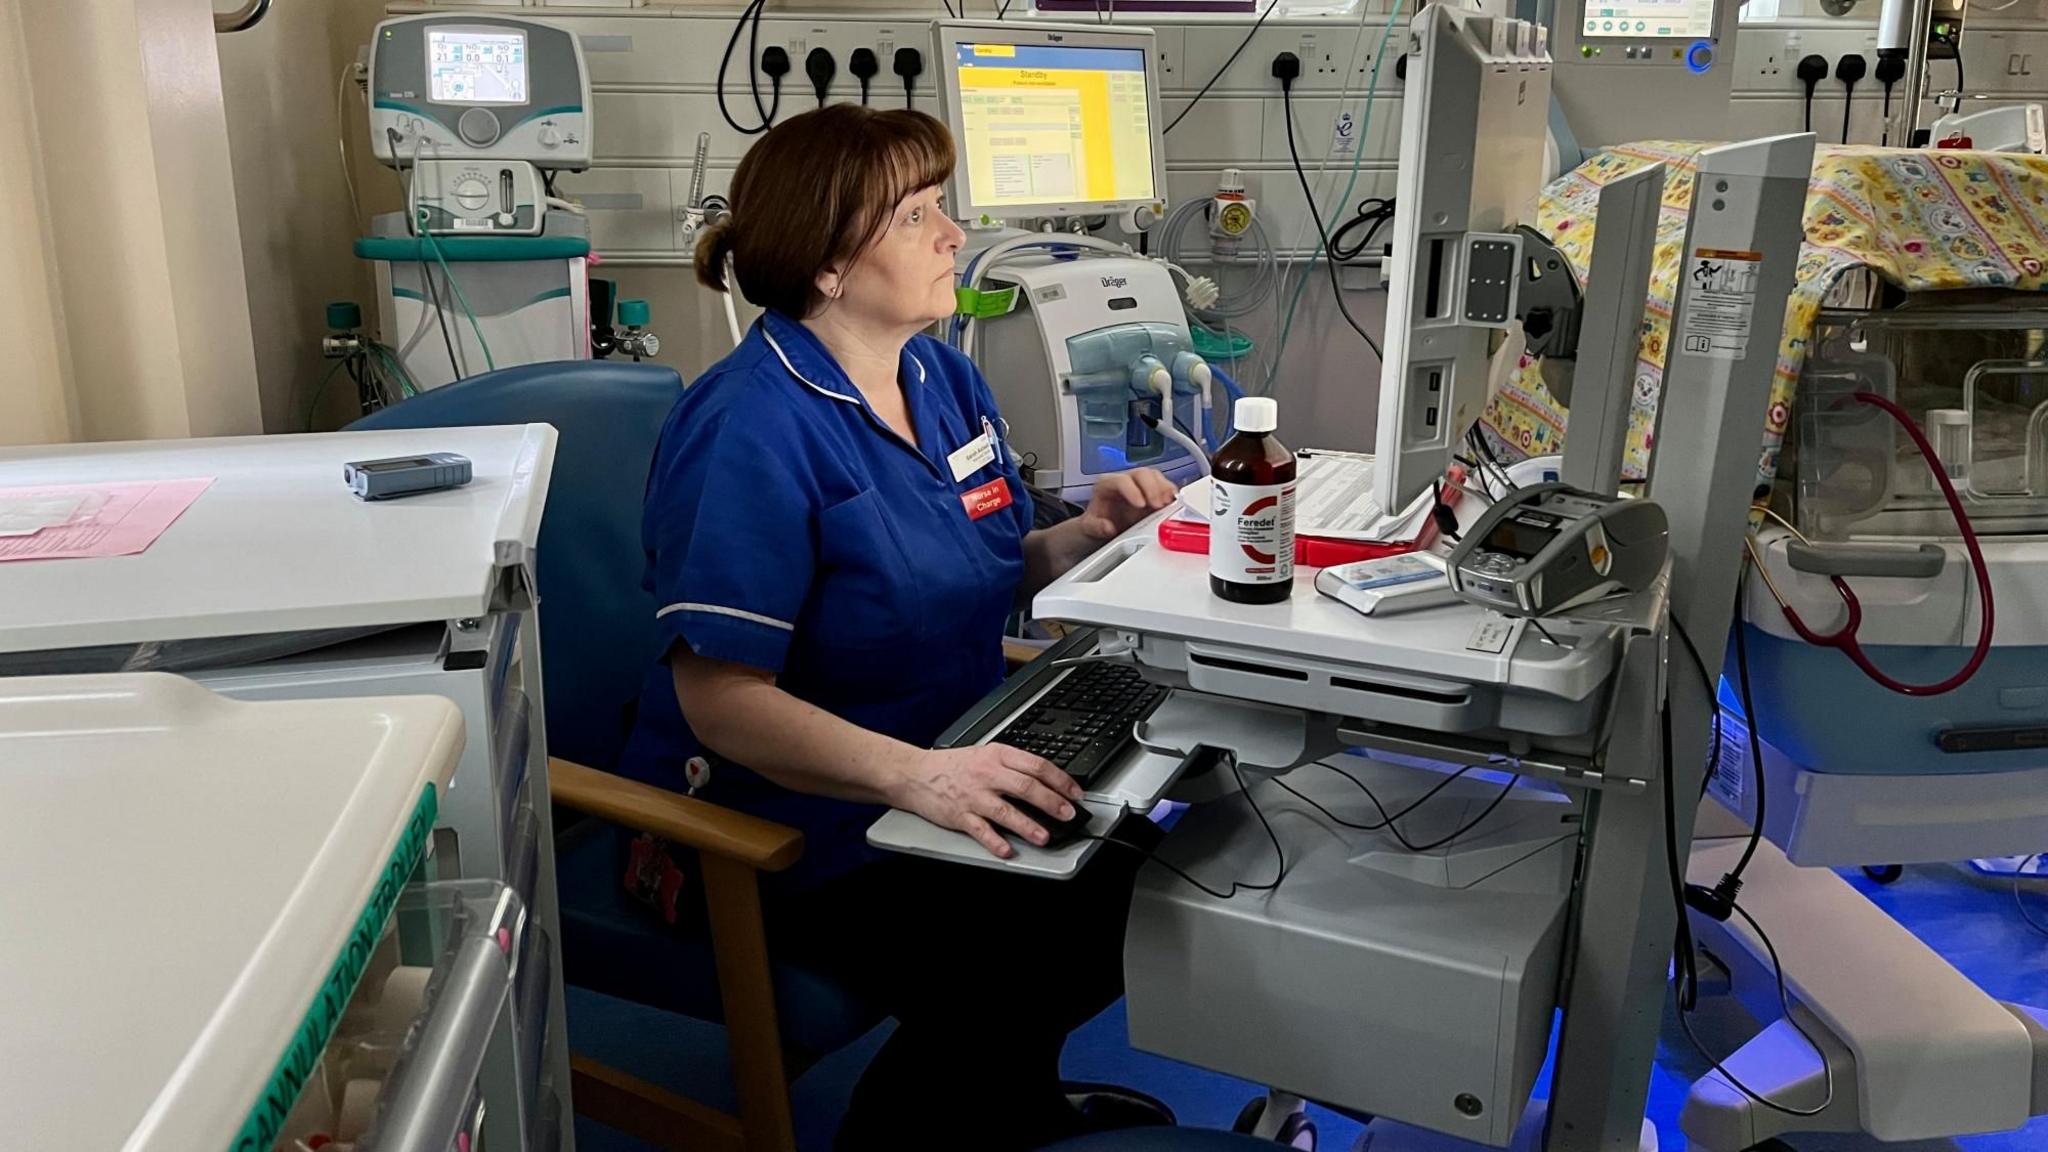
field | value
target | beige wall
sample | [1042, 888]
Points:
[296, 237]
[36, 403]
[121, 183]
[280, 80]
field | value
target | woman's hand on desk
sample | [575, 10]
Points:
[1121, 499]
[969, 790]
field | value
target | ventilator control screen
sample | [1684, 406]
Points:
[1650, 19]
[477, 67]
[1043, 125]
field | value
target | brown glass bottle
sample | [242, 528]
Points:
[1251, 515]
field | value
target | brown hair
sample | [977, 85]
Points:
[818, 189]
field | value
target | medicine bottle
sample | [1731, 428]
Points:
[1251, 521]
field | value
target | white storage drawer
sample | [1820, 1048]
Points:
[401, 1071]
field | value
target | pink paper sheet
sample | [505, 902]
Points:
[128, 519]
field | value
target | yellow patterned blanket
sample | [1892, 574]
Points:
[1922, 220]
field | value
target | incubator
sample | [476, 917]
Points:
[1887, 642]
[1972, 372]
[1893, 650]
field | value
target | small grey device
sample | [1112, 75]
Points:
[1549, 547]
[405, 475]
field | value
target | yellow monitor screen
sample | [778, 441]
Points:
[1045, 124]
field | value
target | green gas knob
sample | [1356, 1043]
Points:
[633, 313]
[344, 316]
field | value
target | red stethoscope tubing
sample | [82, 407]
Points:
[1844, 638]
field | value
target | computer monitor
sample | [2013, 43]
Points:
[1050, 120]
[1474, 120]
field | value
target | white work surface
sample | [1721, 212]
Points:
[1135, 584]
[278, 544]
[178, 873]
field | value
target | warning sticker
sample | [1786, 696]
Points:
[1720, 301]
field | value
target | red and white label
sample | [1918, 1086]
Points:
[993, 496]
[1251, 532]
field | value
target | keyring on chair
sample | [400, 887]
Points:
[1844, 638]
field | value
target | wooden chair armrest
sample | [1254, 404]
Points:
[1016, 653]
[736, 836]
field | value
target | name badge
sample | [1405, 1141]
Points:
[993, 496]
[972, 457]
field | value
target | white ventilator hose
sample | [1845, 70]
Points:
[1198, 373]
[1164, 382]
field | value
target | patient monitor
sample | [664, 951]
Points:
[1480, 287]
[1062, 121]
[1618, 58]
[479, 88]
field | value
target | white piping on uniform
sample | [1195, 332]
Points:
[721, 610]
[782, 356]
[920, 367]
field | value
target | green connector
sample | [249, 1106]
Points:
[982, 303]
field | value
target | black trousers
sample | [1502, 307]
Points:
[986, 972]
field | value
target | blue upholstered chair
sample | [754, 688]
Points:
[598, 640]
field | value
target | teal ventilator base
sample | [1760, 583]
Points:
[458, 306]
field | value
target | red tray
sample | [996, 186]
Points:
[1309, 551]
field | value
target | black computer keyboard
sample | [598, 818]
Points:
[1085, 720]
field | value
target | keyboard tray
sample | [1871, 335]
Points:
[1127, 788]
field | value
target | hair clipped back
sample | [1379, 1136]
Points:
[713, 246]
[815, 191]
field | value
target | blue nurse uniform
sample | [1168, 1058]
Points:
[788, 528]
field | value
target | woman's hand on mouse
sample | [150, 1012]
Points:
[1121, 499]
[969, 790]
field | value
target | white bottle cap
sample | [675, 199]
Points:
[1256, 414]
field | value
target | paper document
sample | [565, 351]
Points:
[75, 521]
[22, 515]
[1333, 501]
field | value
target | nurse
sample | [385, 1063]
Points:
[836, 534]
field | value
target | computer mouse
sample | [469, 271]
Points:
[1058, 833]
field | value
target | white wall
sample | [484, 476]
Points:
[653, 71]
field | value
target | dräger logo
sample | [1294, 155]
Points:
[1114, 282]
[1055, 38]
